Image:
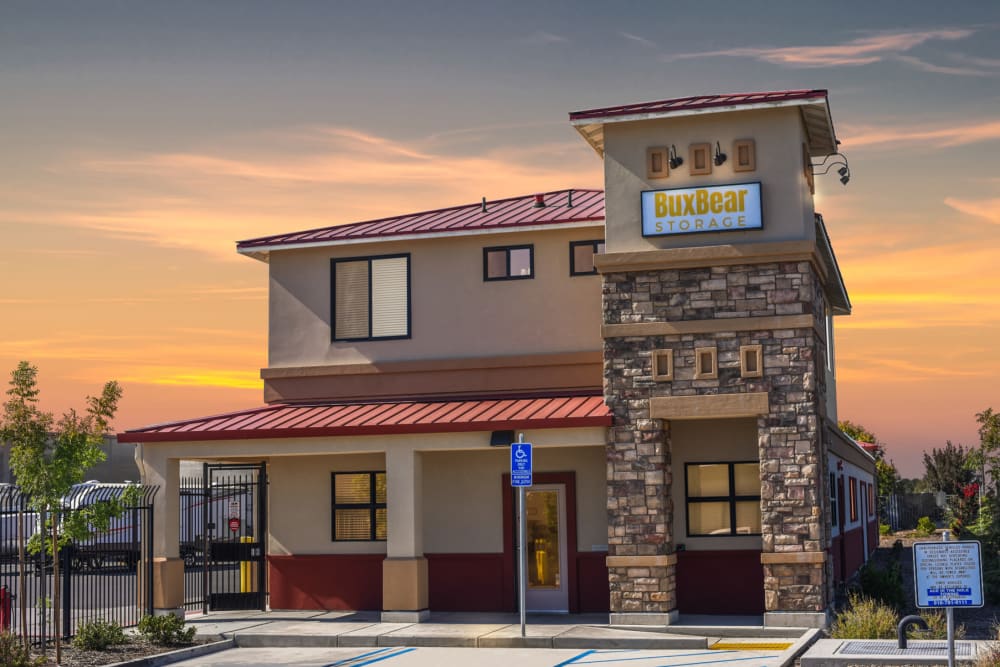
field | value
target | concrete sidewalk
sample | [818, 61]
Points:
[482, 630]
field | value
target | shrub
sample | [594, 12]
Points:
[13, 653]
[864, 618]
[166, 630]
[925, 527]
[989, 653]
[884, 529]
[98, 635]
[937, 627]
[883, 585]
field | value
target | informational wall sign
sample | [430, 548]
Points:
[520, 464]
[234, 525]
[234, 509]
[948, 574]
[717, 208]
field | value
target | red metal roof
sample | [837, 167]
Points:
[500, 214]
[400, 417]
[699, 102]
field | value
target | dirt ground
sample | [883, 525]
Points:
[979, 623]
[74, 657]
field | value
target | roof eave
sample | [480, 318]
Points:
[818, 121]
[261, 252]
[840, 301]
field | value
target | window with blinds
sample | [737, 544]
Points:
[371, 297]
[723, 498]
[359, 506]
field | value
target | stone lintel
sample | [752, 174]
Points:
[715, 255]
[720, 325]
[666, 560]
[793, 557]
[719, 406]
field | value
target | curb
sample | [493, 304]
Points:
[175, 656]
[801, 645]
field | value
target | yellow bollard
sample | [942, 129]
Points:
[248, 571]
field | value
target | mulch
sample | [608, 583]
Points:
[75, 657]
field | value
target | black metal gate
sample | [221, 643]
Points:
[234, 516]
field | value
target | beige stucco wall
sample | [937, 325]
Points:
[463, 502]
[785, 198]
[300, 519]
[707, 441]
[454, 313]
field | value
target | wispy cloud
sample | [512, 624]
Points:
[987, 209]
[945, 135]
[642, 41]
[856, 52]
[543, 37]
[925, 66]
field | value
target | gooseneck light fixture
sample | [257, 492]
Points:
[675, 159]
[720, 157]
[827, 164]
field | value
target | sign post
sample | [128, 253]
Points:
[948, 574]
[520, 477]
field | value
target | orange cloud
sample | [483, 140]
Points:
[938, 136]
[988, 209]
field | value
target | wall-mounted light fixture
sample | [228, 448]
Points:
[838, 159]
[675, 159]
[502, 438]
[720, 157]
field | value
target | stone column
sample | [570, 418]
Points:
[404, 571]
[168, 568]
[793, 493]
[641, 565]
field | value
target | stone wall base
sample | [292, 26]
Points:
[406, 616]
[796, 619]
[638, 618]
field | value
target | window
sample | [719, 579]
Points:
[516, 262]
[723, 498]
[833, 501]
[854, 499]
[359, 512]
[371, 297]
[871, 500]
[581, 257]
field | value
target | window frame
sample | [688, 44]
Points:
[573, 245]
[834, 506]
[732, 499]
[372, 505]
[507, 248]
[369, 259]
[853, 483]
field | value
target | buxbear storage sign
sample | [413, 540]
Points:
[718, 208]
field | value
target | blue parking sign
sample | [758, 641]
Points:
[520, 464]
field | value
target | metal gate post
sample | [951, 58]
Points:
[66, 555]
[261, 531]
[206, 560]
[149, 560]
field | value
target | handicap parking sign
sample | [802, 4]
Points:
[520, 464]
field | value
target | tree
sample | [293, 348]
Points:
[48, 457]
[859, 433]
[948, 469]
[988, 456]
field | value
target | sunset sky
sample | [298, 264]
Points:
[140, 140]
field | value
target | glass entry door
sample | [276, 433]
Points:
[546, 546]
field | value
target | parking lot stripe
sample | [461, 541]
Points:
[575, 658]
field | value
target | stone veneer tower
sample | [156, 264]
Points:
[722, 328]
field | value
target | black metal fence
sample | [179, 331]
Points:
[902, 511]
[107, 576]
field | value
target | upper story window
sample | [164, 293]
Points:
[371, 297]
[513, 262]
[581, 257]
